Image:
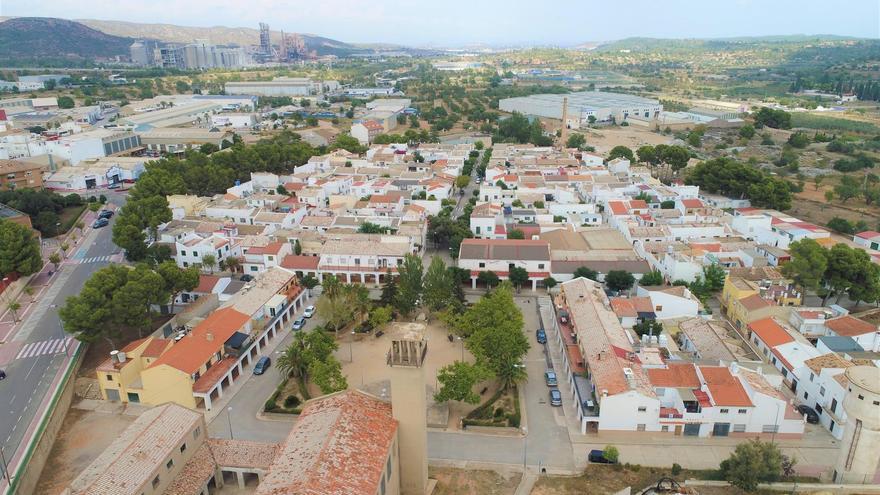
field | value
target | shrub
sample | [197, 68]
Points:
[676, 469]
[611, 453]
[291, 401]
[499, 412]
[269, 406]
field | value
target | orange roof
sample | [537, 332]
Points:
[638, 204]
[692, 203]
[194, 350]
[623, 307]
[134, 344]
[754, 302]
[155, 348]
[271, 248]
[850, 326]
[726, 389]
[674, 375]
[617, 207]
[206, 283]
[295, 262]
[770, 332]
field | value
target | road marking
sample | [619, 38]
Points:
[51, 346]
[29, 372]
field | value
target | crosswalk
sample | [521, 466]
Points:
[43, 347]
[95, 259]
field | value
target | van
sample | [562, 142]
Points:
[262, 365]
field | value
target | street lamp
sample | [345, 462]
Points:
[229, 421]
[525, 448]
[350, 346]
[462, 348]
[776, 426]
[5, 468]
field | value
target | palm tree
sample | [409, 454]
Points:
[14, 306]
[233, 263]
[292, 362]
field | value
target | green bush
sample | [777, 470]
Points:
[269, 406]
[291, 401]
[499, 412]
[676, 469]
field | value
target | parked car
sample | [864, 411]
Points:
[246, 278]
[262, 365]
[555, 397]
[550, 378]
[105, 214]
[309, 312]
[810, 413]
[115, 185]
[299, 323]
[101, 222]
[541, 335]
[598, 456]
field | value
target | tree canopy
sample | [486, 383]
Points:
[19, 250]
[734, 179]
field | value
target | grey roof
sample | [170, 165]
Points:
[840, 344]
[500, 250]
[602, 266]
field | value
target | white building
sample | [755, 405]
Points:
[601, 106]
[502, 255]
[234, 120]
[92, 144]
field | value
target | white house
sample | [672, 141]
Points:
[503, 255]
[823, 387]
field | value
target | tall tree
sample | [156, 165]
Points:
[133, 302]
[621, 151]
[518, 276]
[210, 261]
[457, 382]
[752, 462]
[389, 289]
[585, 272]
[808, 263]
[177, 279]
[19, 250]
[90, 316]
[619, 280]
[438, 292]
[409, 284]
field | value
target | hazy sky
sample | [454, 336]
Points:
[447, 22]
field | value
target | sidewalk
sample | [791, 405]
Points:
[41, 280]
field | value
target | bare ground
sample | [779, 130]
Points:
[452, 481]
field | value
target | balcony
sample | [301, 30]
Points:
[670, 413]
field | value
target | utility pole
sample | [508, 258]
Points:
[5, 468]
[229, 421]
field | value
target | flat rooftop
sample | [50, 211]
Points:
[589, 100]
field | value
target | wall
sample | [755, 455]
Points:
[28, 473]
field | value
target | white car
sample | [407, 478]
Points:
[309, 312]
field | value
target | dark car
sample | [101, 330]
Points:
[105, 214]
[598, 456]
[262, 365]
[541, 335]
[101, 222]
[809, 412]
[246, 278]
[555, 397]
[550, 378]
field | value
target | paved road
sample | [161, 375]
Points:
[38, 348]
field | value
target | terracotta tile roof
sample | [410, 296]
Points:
[725, 389]
[194, 350]
[504, 249]
[640, 204]
[134, 344]
[692, 203]
[129, 462]
[338, 446]
[618, 207]
[830, 360]
[850, 326]
[674, 375]
[868, 234]
[754, 302]
[155, 348]
[243, 453]
[271, 248]
[206, 284]
[294, 262]
[770, 332]
[623, 307]
[195, 473]
[218, 370]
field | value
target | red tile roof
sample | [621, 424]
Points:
[725, 389]
[294, 262]
[623, 308]
[770, 332]
[271, 248]
[339, 446]
[868, 234]
[674, 375]
[194, 350]
[155, 348]
[850, 326]
[692, 203]
[206, 284]
[638, 204]
[618, 207]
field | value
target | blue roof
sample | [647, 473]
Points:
[840, 344]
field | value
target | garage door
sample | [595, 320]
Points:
[112, 395]
[721, 429]
[692, 430]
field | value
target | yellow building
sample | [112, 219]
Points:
[749, 293]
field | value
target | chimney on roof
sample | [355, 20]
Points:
[209, 337]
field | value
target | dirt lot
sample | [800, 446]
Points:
[604, 479]
[606, 138]
[84, 435]
[451, 481]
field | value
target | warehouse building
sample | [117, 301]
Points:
[281, 86]
[603, 107]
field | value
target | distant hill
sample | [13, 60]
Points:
[669, 44]
[218, 35]
[51, 41]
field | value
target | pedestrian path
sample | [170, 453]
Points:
[94, 259]
[44, 347]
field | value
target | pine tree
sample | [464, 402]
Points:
[389, 289]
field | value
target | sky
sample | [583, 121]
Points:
[492, 22]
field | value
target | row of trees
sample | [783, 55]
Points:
[735, 179]
[43, 207]
[664, 160]
[834, 272]
[19, 250]
[118, 297]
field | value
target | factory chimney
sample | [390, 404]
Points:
[563, 137]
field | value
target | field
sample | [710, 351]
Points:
[823, 122]
[452, 481]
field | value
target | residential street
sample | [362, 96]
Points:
[37, 348]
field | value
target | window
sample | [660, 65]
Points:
[185, 264]
[739, 428]
[643, 409]
[658, 308]
[806, 395]
[254, 268]
[482, 265]
[155, 482]
[197, 432]
[770, 429]
[741, 411]
[182, 252]
[725, 411]
[183, 448]
[169, 464]
[640, 427]
[861, 397]
[664, 428]
[109, 378]
[822, 391]
[834, 405]
[811, 376]
[356, 261]
[540, 266]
